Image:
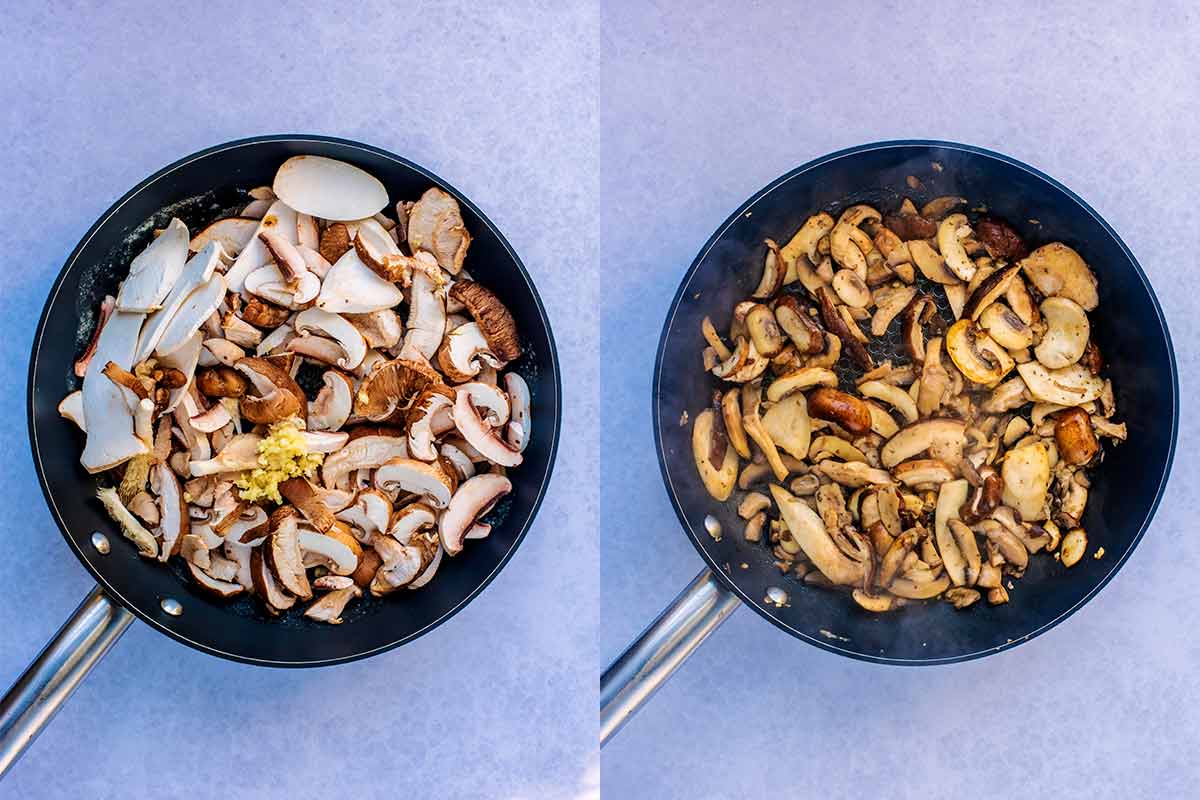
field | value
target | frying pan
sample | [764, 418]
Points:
[198, 189]
[1129, 329]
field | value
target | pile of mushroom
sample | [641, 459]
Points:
[937, 475]
[190, 399]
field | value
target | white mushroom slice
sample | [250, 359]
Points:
[112, 440]
[241, 453]
[330, 607]
[71, 407]
[1067, 333]
[231, 233]
[307, 233]
[211, 420]
[480, 436]
[370, 362]
[1026, 474]
[185, 359]
[409, 475]
[788, 424]
[196, 272]
[458, 459]
[799, 380]
[435, 225]
[315, 262]
[1003, 325]
[368, 515]
[317, 549]
[328, 188]
[380, 252]
[334, 402]
[426, 575]
[519, 422]
[949, 239]
[951, 497]
[351, 287]
[239, 554]
[365, 452]
[931, 264]
[1058, 271]
[894, 396]
[744, 364]
[380, 329]
[329, 583]
[256, 208]
[938, 436]
[192, 313]
[922, 472]
[269, 283]
[426, 323]
[317, 320]
[853, 474]
[147, 545]
[808, 529]
[243, 525]
[464, 354]
[401, 564]
[411, 520]
[480, 530]
[324, 441]
[275, 341]
[489, 398]
[215, 586]
[422, 437]
[154, 271]
[222, 351]
[1068, 386]
[470, 502]
[280, 218]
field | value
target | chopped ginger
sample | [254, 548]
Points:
[282, 454]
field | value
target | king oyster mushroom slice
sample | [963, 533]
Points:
[435, 225]
[112, 440]
[328, 189]
[351, 287]
[480, 436]
[809, 531]
[409, 475]
[519, 421]
[1058, 271]
[280, 218]
[278, 396]
[1067, 333]
[196, 272]
[199, 305]
[334, 402]
[185, 359]
[366, 451]
[155, 270]
[470, 502]
[321, 322]
[426, 322]
[1026, 474]
[380, 329]
[939, 437]
[231, 233]
[71, 407]
[368, 515]
[978, 356]
[220, 351]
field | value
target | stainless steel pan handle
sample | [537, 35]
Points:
[660, 650]
[58, 670]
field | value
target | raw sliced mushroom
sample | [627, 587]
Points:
[323, 323]
[368, 515]
[276, 396]
[380, 329]
[284, 556]
[275, 596]
[471, 501]
[155, 270]
[351, 287]
[329, 607]
[196, 272]
[435, 225]
[376, 249]
[328, 189]
[231, 233]
[479, 435]
[113, 442]
[191, 314]
[279, 218]
[334, 402]
[214, 586]
[318, 549]
[409, 475]
[520, 422]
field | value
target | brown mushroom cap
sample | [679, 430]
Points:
[280, 397]
[389, 390]
[493, 317]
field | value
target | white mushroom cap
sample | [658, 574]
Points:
[480, 436]
[471, 500]
[334, 402]
[418, 477]
[351, 287]
[198, 307]
[154, 271]
[334, 326]
[328, 188]
[489, 398]
[519, 423]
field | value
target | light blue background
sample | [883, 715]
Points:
[700, 109]
[500, 701]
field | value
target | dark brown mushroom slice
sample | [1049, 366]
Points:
[989, 291]
[846, 410]
[985, 498]
[1091, 358]
[301, 494]
[275, 597]
[918, 312]
[910, 226]
[837, 326]
[793, 318]
[493, 317]
[261, 314]
[335, 241]
[1000, 240]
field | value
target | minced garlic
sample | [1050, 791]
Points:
[282, 454]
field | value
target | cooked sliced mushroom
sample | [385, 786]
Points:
[774, 270]
[1026, 474]
[920, 437]
[846, 410]
[1056, 270]
[930, 263]
[809, 532]
[922, 472]
[894, 396]
[853, 474]
[1074, 437]
[1067, 386]
[764, 331]
[976, 354]
[890, 301]
[1074, 545]
[1067, 333]
[1003, 325]
[788, 425]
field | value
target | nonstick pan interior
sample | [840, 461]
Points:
[198, 189]
[1128, 327]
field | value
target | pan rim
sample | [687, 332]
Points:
[154, 178]
[656, 396]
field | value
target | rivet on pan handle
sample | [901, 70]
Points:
[660, 650]
[62, 665]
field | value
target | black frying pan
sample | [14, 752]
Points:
[1129, 329]
[198, 189]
